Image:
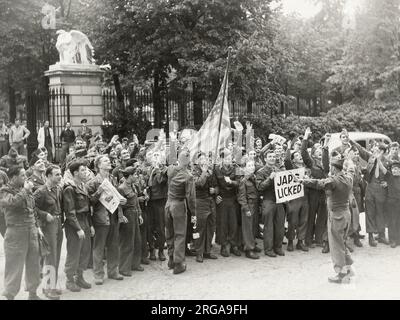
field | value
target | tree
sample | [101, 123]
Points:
[370, 64]
[26, 48]
[152, 40]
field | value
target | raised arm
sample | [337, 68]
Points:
[364, 154]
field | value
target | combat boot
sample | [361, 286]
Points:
[339, 278]
[152, 255]
[82, 283]
[171, 262]
[179, 268]
[270, 253]
[199, 258]
[325, 249]
[252, 255]
[301, 246]
[382, 239]
[161, 255]
[72, 286]
[235, 251]
[290, 246]
[33, 296]
[224, 252]
[357, 241]
[279, 252]
[257, 249]
[371, 240]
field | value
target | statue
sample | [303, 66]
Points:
[74, 47]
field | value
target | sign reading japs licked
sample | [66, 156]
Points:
[286, 187]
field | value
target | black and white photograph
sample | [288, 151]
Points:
[216, 152]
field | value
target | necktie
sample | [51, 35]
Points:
[377, 170]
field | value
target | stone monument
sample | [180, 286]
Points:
[81, 78]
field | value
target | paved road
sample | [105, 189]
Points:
[298, 275]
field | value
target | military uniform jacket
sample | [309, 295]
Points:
[6, 162]
[158, 183]
[247, 191]
[182, 187]
[227, 190]
[101, 216]
[203, 182]
[18, 206]
[318, 171]
[265, 184]
[338, 190]
[48, 202]
[76, 201]
[131, 195]
[393, 186]
[37, 181]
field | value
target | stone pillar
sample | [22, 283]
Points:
[83, 84]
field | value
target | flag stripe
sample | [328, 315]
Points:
[205, 139]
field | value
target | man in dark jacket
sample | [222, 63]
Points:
[21, 244]
[48, 201]
[273, 214]
[205, 183]
[338, 190]
[227, 205]
[248, 200]
[106, 224]
[78, 227]
[158, 183]
[376, 193]
[181, 189]
[317, 214]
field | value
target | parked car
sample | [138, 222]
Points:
[365, 139]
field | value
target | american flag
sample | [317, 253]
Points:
[205, 139]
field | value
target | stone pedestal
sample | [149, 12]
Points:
[83, 84]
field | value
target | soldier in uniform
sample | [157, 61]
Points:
[338, 190]
[273, 214]
[156, 205]
[13, 159]
[85, 132]
[3, 181]
[248, 200]
[78, 227]
[205, 207]
[181, 197]
[48, 201]
[317, 214]
[129, 234]
[393, 155]
[21, 243]
[117, 172]
[376, 193]
[227, 205]
[106, 224]
[297, 209]
[352, 163]
[38, 177]
[393, 180]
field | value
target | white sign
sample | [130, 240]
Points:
[110, 197]
[286, 187]
[277, 139]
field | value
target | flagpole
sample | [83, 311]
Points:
[223, 100]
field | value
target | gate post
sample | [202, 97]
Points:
[82, 82]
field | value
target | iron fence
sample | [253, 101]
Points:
[180, 106]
